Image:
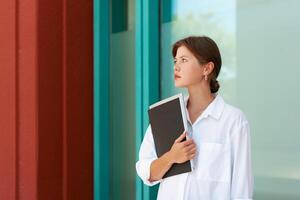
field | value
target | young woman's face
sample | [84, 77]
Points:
[187, 69]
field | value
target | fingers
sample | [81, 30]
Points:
[181, 137]
[188, 142]
[191, 152]
[192, 156]
[190, 149]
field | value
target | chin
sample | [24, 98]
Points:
[179, 85]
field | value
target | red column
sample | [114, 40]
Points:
[8, 114]
[46, 99]
[79, 97]
[27, 101]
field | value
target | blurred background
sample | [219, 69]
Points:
[259, 43]
[77, 77]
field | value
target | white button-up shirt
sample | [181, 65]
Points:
[222, 166]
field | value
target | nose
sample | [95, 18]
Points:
[176, 68]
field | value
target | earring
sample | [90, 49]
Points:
[205, 77]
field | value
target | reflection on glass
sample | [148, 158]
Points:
[259, 43]
[215, 19]
[122, 92]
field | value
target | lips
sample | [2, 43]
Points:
[176, 76]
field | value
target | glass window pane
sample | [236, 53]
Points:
[259, 42]
[122, 101]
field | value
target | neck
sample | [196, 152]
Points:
[199, 97]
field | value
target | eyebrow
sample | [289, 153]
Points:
[182, 57]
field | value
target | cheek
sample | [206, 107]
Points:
[192, 73]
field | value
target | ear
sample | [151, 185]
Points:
[208, 68]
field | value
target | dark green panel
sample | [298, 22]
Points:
[166, 11]
[119, 9]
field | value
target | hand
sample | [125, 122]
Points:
[182, 151]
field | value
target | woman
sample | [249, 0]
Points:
[219, 145]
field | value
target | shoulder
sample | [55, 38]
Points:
[234, 113]
[238, 124]
[234, 117]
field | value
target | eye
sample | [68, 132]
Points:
[174, 61]
[184, 60]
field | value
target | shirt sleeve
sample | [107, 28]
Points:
[242, 178]
[147, 155]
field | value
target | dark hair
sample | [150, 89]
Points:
[205, 50]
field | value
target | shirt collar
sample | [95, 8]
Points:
[214, 109]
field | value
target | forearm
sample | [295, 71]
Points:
[160, 166]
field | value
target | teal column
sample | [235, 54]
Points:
[147, 76]
[101, 99]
